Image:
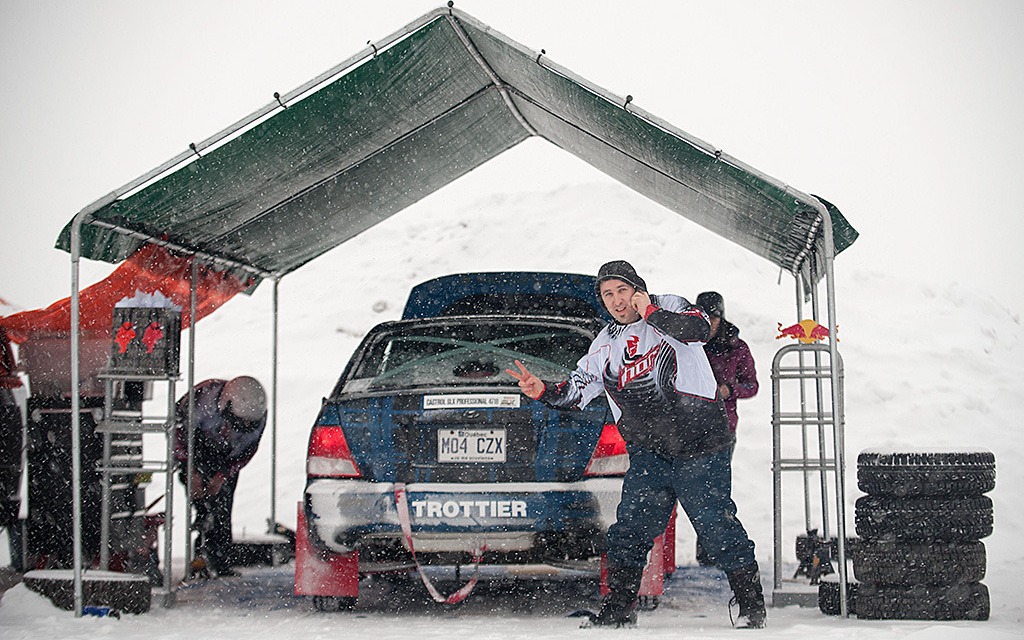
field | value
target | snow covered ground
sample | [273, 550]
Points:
[928, 364]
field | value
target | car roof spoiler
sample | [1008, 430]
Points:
[507, 293]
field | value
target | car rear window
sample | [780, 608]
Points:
[465, 353]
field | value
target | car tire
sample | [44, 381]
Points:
[916, 474]
[888, 519]
[334, 603]
[828, 598]
[902, 563]
[923, 602]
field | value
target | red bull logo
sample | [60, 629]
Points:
[806, 331]
[125, 334]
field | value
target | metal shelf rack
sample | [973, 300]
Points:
[123, 469]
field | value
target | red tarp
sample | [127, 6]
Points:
[152, 268]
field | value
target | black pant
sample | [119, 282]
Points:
[10, 463]
[213, 515]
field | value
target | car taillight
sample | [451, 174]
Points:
[609, 457]
[328, 455]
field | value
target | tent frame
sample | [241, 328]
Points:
[824, 231]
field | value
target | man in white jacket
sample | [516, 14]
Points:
[650, 363]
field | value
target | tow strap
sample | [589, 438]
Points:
[401, 503]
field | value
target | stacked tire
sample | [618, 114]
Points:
[920, 555]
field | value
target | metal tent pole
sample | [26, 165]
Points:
[838, 407]
[187, 427]
[820, 417]
[76, 423]
[804, 446]
[105, 490]
[273, 414]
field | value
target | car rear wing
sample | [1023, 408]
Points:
[506, 293]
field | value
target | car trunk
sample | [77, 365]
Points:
[394, 440]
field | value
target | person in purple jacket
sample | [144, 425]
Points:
[729, 356]
[228, 422]
[733, 366]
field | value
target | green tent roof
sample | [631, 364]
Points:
[404, 118]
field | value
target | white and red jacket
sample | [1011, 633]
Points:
[656, 376]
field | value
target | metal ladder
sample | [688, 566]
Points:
[123, 468]
[819, 426]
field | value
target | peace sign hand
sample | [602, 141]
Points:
[529, 384]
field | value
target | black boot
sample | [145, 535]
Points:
[746, 589]
[703, 559]
[618, 609]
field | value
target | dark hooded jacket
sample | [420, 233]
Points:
[733, 365]
[8, 366]
[10, 435]
[219, 446]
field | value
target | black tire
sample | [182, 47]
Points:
[828, 598]
[902, 563]
[334, 603]
[917, 474]
[923, 602]
[887, 519]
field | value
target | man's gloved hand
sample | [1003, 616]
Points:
[215, 484]
[198, 491]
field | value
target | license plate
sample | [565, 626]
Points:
[471, 445]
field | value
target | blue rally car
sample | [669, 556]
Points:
[425, 451]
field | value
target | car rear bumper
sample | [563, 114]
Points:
[346, 514]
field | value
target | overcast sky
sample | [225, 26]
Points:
[906, 115]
